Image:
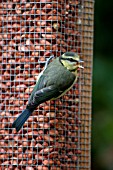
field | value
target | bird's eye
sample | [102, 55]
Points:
[72, 60]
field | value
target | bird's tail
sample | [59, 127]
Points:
[18, 123]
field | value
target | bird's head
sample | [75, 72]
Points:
[71, 61]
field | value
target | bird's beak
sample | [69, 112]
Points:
[80, 66]
[80, 61]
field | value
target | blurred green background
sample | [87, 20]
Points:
[102, 118]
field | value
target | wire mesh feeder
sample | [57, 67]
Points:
[57, 135]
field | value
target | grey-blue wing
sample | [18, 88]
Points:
[41, 81]
[39, 85]
[43, 95]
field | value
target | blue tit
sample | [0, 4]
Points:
[53, 82]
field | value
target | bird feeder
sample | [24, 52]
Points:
[58, 134]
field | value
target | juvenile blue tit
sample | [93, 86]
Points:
[54, 81]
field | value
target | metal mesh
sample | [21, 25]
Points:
[57, 135]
